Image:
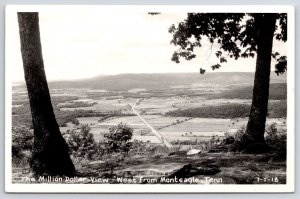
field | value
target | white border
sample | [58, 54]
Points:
[127, 188]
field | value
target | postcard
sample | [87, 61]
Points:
[149, 99]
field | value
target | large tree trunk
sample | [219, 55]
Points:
[265, 27]
[50, 151]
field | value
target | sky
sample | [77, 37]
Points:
[86, 43]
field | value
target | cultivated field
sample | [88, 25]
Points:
[190, 111]
[186, 113]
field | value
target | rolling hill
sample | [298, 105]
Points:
[124, 82]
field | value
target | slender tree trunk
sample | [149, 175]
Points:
[50, 151]
[265, 27]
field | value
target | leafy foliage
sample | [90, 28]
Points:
[234, 33]
[81, 143]
[281, 65]
[22, 142]
[275, 139]
[22, 137]
[118, 138]
[202, 71]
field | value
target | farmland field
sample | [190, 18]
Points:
[184, 115]
[195, 111]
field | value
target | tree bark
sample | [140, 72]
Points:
[50, 151]
[265, 27]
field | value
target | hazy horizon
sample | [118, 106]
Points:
[105, 75]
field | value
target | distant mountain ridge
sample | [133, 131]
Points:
[162, 80]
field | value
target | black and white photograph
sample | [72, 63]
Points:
[149, 98]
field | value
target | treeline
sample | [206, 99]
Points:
[77, 104]
[277, 92]
[275, 110]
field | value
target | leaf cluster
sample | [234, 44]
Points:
[81, 143]
[118, 138]
[234, 33]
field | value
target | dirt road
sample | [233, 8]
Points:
[155, 132]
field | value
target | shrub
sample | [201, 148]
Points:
[275, 139]
[139, 148]
[240, 132]
[81, 143]
[118, 138]
[22, 142]
[22, 137]
[244, 142]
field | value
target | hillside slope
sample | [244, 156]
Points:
[161, 81]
